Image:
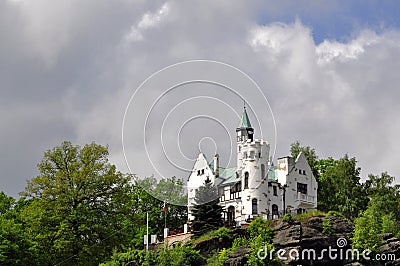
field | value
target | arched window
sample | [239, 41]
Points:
[275, 209]
[254, 206]
[262, 171]
[246, 180]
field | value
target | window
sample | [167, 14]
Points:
[245, 155]
[262, 171]
[198, 172]
[259, 155]
[246, 180]
[275, 190]
[238, 186]
[202, 171]
[254, 206]
[252, 155]
[302, 188]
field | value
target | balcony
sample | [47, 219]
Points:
[304, 198]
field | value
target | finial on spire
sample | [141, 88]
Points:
[244, 104]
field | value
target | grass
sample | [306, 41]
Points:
[220, 233]
[305, 216]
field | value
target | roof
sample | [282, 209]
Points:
[227, 176]
[244, 121]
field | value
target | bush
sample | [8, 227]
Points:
[260, 237]
[260, 227]
[287, 218]
[366, 231]
[125, 257]
[179, 255]
[221, 233]
[335, 213]
[219, 258]
[327, 227]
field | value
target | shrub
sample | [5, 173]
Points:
[335, 213]
[327, 227]
[221, 233]
[260, 227]
[287, 218]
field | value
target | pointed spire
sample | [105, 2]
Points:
[244, 121]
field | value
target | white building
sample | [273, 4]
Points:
[256, 187]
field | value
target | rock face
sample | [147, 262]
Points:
[237, 258]
[309, 242]
[331, 242]
[215, 244]
[329, 237]
[390, 247]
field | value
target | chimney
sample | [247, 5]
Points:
[216, 165]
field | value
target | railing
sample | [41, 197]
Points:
[304, 197]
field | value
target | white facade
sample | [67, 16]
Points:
[256, 187]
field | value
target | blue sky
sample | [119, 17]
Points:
[339, 20]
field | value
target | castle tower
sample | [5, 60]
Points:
[252, 166]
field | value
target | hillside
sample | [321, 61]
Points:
[303, 234]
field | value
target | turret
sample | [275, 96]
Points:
[244, 131]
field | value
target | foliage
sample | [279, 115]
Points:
[16, 245]
[219, 258]
[207, 214]
[311, 155]
[327, 226]
[382, 214]
[366, 230]
[179, 255]
[260, 238]
[121, 258]
[78, 204]
[305, 216]
[339, 187]
[142, 202]
[221, 233]
[335, 213]
[287, 218]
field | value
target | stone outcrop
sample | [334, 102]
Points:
[237, 258]
[311, 234]
[303, 242]
[335, 235]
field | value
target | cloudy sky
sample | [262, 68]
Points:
[328, 69]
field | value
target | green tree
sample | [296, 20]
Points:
[141, 202]
[207, 214]
[78, 205]
[382, 214]
[311, 155]
[16, 247]
[366, 229]
[339, 187]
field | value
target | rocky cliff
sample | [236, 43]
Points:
[318, 241]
